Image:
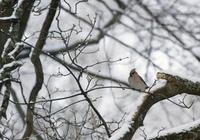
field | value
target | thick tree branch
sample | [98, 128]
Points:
[189, 131]
[5, 101]
[174, 85]
[38, 67]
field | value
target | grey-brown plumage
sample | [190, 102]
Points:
[136, 82]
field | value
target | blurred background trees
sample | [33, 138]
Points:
[65, 63]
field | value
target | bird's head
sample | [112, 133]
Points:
[132, 72]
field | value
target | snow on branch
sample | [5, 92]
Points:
[180, 132]
[174, 85]
[9, 67]
[9, 19]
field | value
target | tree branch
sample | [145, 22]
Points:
[38, 67]
[174, 85]
[189, 131]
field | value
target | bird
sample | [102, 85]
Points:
[136, 82]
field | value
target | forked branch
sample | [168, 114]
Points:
[174, 85]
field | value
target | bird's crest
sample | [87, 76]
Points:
[132, 71]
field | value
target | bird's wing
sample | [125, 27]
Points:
[143, 81]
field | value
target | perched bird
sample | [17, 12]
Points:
[136, 82]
